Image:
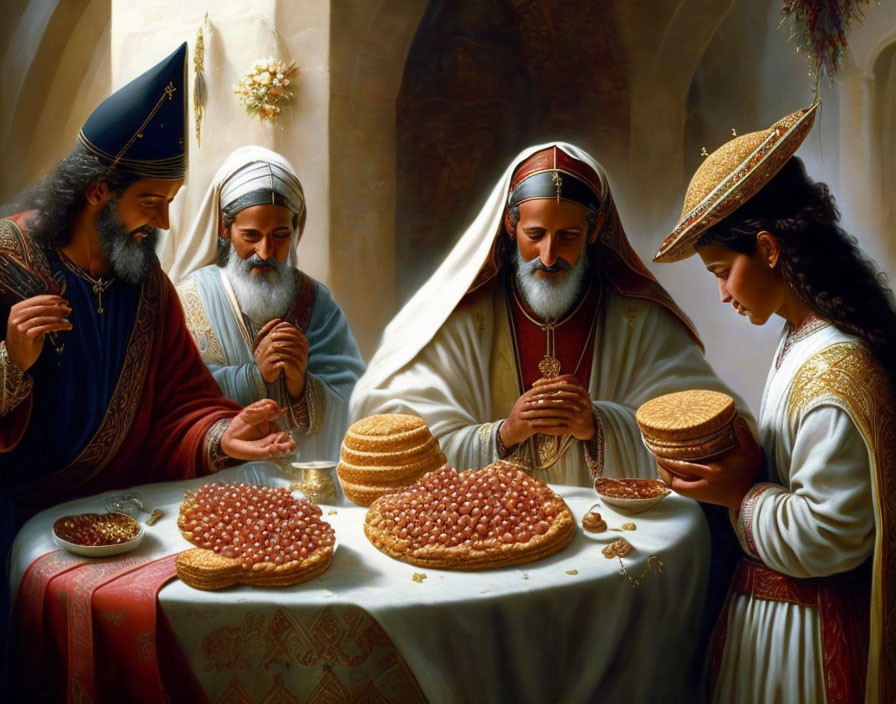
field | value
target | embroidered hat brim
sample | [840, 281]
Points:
[730, 176]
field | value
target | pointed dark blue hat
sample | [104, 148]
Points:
[140, 127]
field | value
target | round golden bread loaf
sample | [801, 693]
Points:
[688, 425]
[385, 453]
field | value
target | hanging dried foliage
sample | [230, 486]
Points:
[819, 27]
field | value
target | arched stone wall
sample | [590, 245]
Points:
[485, 79]
[666, 42]
[55, 68]
[860, 103]
[368, 47]
[482, 81]
[884, 135]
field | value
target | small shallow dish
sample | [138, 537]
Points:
[631, 495]
[103, 522]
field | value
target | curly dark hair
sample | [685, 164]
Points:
[823, 264]
[60, 195]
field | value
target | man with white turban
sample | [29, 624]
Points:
[264, 328]
[540, 334]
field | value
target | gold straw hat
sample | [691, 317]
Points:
[730, 176]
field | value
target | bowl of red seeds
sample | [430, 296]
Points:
[98, 534]
[630, 495]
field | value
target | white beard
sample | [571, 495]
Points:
[549, 299]
[265, 296]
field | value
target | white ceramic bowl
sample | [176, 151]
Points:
[102, 550]
[613, 493]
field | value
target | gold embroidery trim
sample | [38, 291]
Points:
[215, 457]
[313, 403]
[15, 247]
[489, 430]
[14, 385]
[8, 239]
[298, 410]
[848, 376]
[210, 348]
[845, 372]
[594, 448]
[123, 403]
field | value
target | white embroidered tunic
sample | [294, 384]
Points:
[814, 518]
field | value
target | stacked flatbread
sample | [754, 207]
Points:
[251, 535]
[385, 453]
[493, 517]
[688, 425]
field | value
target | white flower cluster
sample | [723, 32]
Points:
[264, 89]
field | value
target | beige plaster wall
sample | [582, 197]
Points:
[369, 44]
[55, 69]
[237, 34]
[860, 106]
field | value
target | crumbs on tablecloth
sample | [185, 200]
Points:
[418, 577]
[525, 575]
[572, 572]
[618, 548]
[332, 512]
[628, 526]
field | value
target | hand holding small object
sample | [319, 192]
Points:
[254, 435]
[29, 322]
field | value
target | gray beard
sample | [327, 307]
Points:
[130, 259]
[263, 297]
[550, 299]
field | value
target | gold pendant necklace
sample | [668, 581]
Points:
[98, 285]
[549, 449]
[550, 365]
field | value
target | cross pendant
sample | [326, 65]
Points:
[98, 290]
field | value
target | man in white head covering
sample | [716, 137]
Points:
[264, 328]
[540, 334]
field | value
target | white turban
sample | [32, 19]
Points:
[246, 169]
[265, 176]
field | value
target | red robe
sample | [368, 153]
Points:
[160, 411]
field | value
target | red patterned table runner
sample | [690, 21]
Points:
[90, 631]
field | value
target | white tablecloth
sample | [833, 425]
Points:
[569, 628]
